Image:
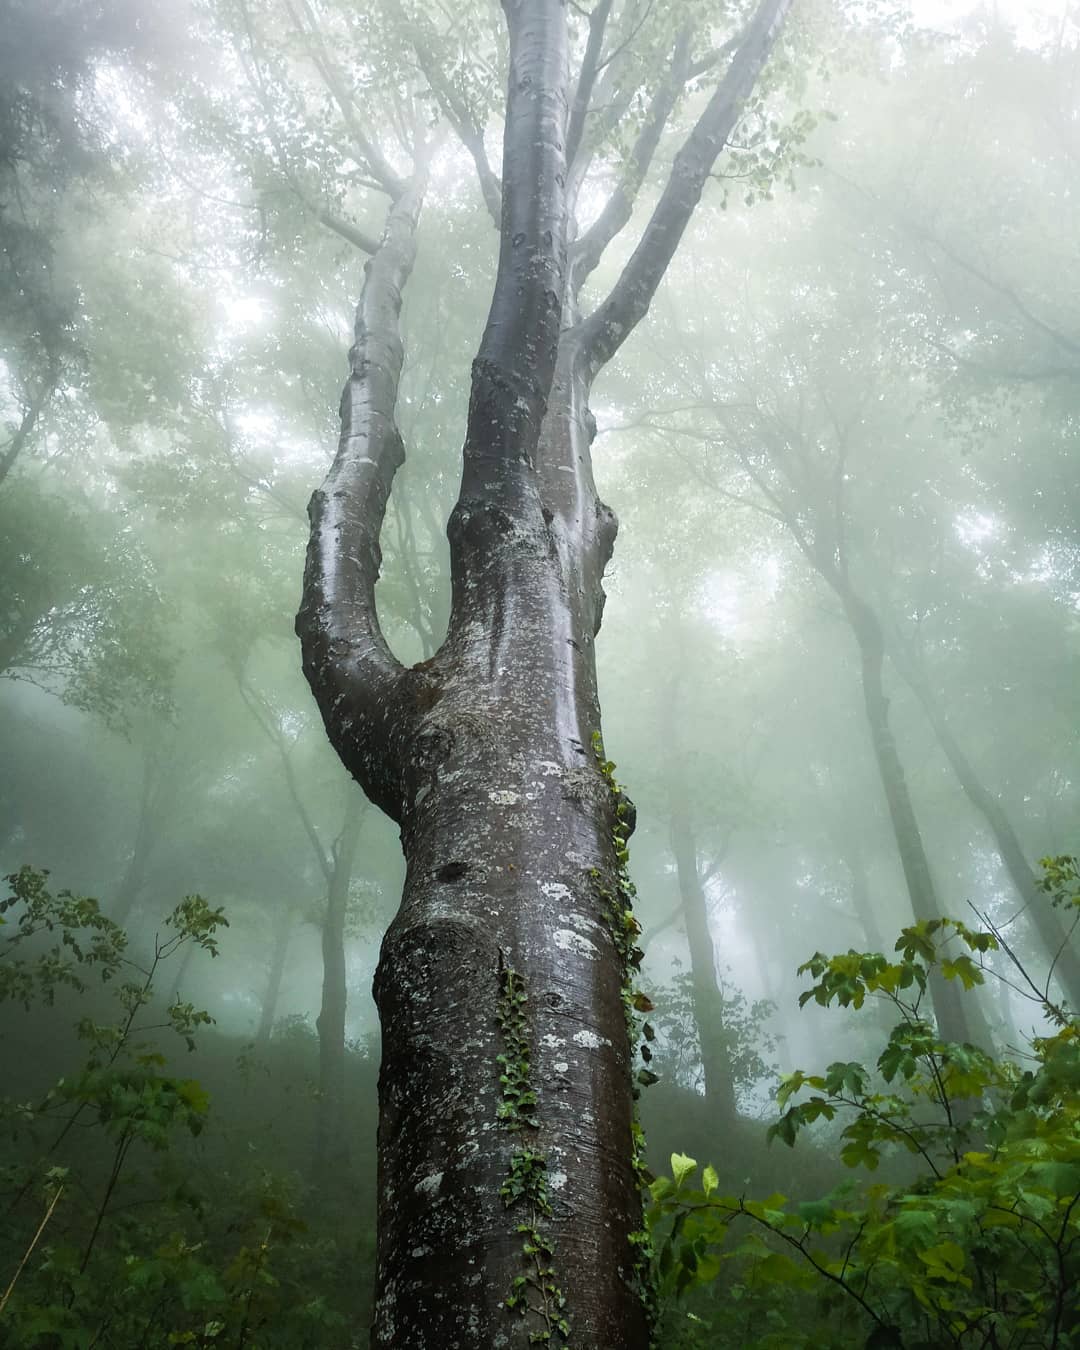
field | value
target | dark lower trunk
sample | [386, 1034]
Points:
[708, 1001]
[331, 1141]
[958, 1017]
[283, 930]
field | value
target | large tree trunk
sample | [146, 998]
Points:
[331, 1142]
[707, 999]
[959, 1018]
[509, 1207]
[1060, 952]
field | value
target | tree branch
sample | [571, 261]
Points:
[515, 365]
[350, 668]
[590, 68]
[460, 118]
[369, 152]
[619, 207]
[605, 330]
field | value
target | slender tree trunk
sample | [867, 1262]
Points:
[283, 931]
[708, 1007]
[331, 1143]
[958, 1018]
[1058, 949]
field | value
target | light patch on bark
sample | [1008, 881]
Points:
[504, 797]
[589, 1040]
[430, 1184]
[569, 941]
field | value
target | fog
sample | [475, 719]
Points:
[837, 662]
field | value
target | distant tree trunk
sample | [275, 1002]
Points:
[959, 1018]
[505, 1093]
[331, 1144]
[283, 931]
[1057, 947]
[133, 882]
[708, 1001]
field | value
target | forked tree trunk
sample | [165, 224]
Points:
[509, 1208]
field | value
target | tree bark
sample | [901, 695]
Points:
[331, 1141]
[715, 1057]
[509, 1206]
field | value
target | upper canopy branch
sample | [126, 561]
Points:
[589, 249]
[590, 68]
[605, 330]
[367, 150]
[458, 114]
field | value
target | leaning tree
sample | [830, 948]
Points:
[509, 1192]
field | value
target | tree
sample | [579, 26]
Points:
[509, 947]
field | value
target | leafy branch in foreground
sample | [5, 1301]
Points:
[979, 1248]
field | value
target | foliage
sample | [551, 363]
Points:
[108, 1238]
[980, 1247]
[674, 1047]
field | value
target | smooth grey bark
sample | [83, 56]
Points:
[1061, 953]
[484, 755]
[715, 1056]
[331, 1137]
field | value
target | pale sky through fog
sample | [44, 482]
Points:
[1027, 15]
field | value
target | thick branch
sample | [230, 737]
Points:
[346, 659]
[605, 330]
[514, 368]
[360, 239]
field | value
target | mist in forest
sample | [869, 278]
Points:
[837, 661]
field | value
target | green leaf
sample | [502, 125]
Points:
[682, 1167]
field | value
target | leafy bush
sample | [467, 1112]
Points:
[978, 1247]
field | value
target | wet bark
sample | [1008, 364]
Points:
[715, 1057]
[484, 755]
[331, 1140]
[1060, 951]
